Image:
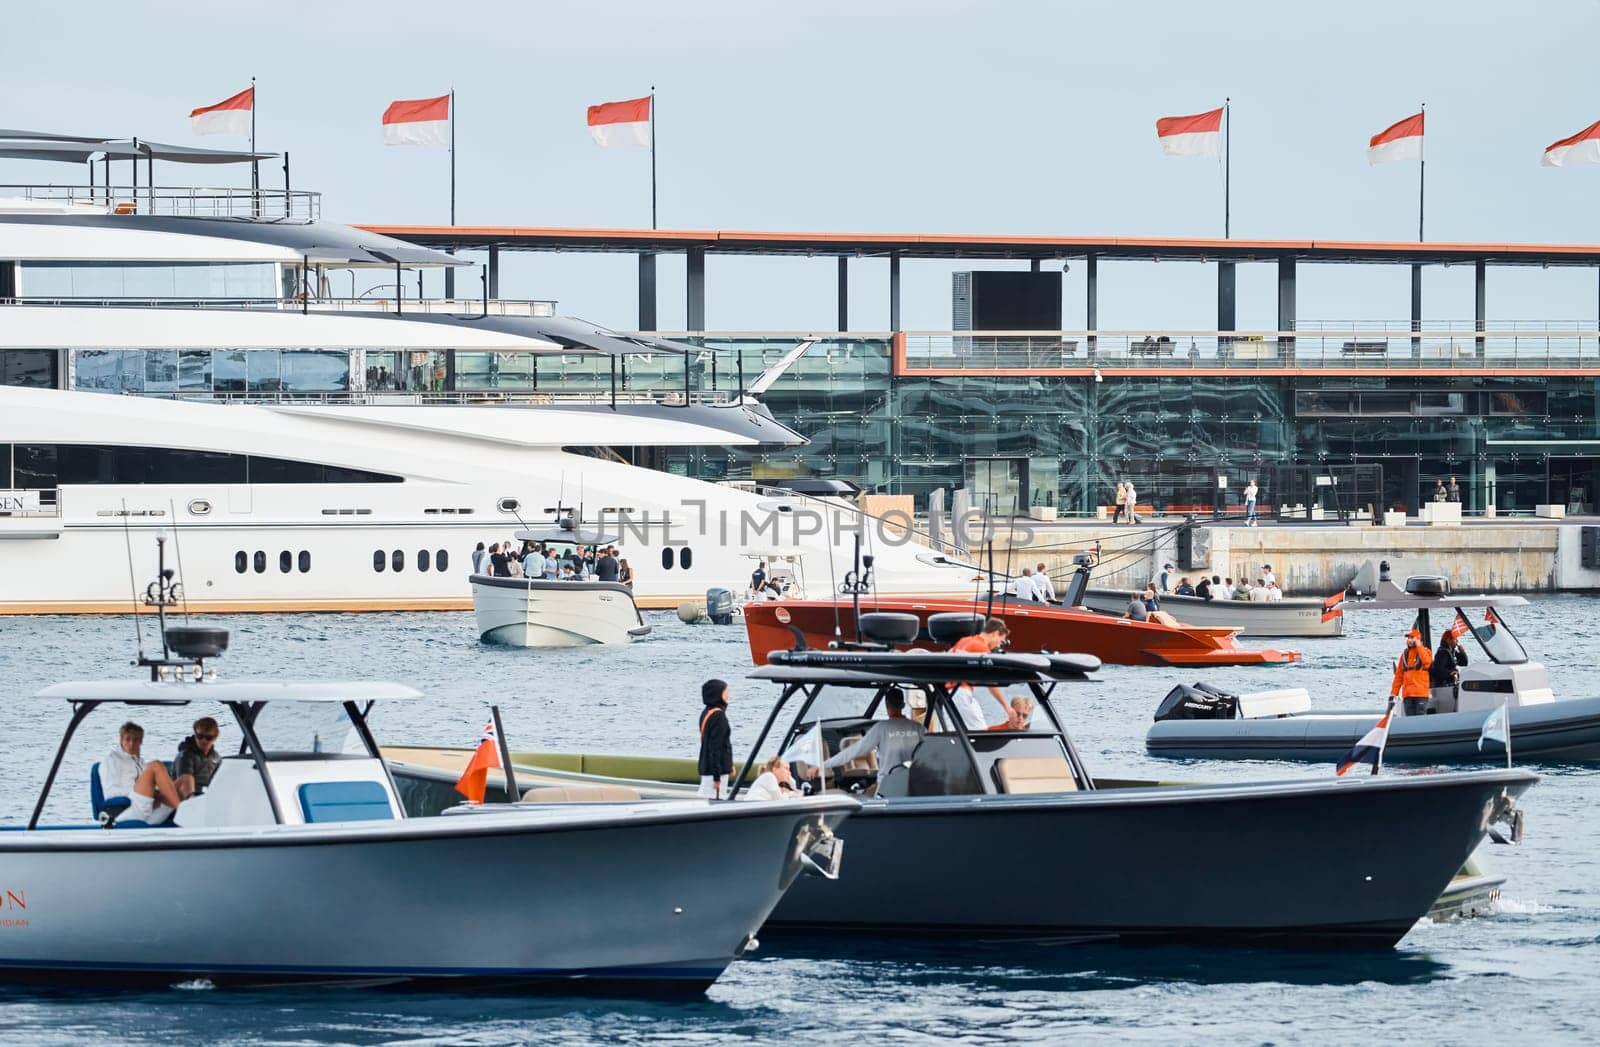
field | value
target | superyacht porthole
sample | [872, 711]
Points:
[199, 506]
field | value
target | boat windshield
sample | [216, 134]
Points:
[308, 727]
[1496, 639]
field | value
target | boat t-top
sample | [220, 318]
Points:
[298, 862]
[1281, 725]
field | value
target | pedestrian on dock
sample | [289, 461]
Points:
[716, 740]
[1251, 492]
[1120, 500]
[1411, 676]
[1453, 492]
[1439, 493]
[1130, 498]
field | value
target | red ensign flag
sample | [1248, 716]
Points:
[475, 779]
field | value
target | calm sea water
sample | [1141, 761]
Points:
[1532, 971]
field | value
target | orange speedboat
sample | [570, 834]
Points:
[1035, 627]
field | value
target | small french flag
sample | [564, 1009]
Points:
[1370, 747]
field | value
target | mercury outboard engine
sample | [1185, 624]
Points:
[1079, 582]
[1199, 702]
[719, 606]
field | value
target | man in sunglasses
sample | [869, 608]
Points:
[197, 754]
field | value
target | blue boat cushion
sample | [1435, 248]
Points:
[344, 802]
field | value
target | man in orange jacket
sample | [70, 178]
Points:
[1411, 681]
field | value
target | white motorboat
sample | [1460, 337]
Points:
[298, 862]
[1290, 616]
[556, 612]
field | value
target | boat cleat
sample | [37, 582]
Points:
[1503, 808]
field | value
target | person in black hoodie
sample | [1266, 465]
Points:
[197, 754]
[716, 740]
[1447, 662]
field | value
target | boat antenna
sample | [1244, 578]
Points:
[133, 586]
[989, 611]
[853, 580]
[833, 589]
[177, 547]
[1011, 539]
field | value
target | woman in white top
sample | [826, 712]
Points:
[1131, 498]
[152, 793]
[774, 783]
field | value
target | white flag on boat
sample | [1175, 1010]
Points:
[1494, 727]
[229, 116]
[807, 748]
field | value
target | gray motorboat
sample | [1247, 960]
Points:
[1318, 862]
[298, 862]
[1202, 722]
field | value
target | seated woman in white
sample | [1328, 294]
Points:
[774, 783]
[153, 794]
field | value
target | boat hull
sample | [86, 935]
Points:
[1322, 863]
[533, 612]
[404, 901]
[1292, 616]
[1561, 731]
[1034, 627]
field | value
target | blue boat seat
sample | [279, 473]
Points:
[344, 802]
[101, 805]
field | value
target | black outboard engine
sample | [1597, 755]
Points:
[1079, 582]
[719, 606]
[1199, 702]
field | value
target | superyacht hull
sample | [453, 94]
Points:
[392, 901]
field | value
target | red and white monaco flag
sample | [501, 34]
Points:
[621, 123]
[231, 116]
[1581, 148]
[1401, 141]
[417, 121]
[1197, 135]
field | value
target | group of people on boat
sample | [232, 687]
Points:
[892, 739]
[153, 790]
[552, 562]
[1265, 589]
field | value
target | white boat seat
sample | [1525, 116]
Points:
[1287, 702]
[865, 762]
[580, 794]
[1018, 775]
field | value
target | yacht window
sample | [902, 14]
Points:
[685, 558]
[241, 561]
[34, 368]
[285, 562]
[509, 505]
[305, 561]
[260, 562]
[422, 559]
[441, 560]
[666, 559]
[379, 560]
[398, 561]
[40, 466]
[148, 280]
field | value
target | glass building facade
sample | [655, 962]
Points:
[1012, 440]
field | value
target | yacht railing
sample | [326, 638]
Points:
[1331, 350]
[462, 397]
[267, 205]
[372, 304]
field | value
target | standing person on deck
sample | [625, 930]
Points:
[716, 740]
[1411, 682]
[994, 635]
[1042, 584]
[1447, 662]
[477, 559]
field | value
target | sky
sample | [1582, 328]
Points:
[890, 116]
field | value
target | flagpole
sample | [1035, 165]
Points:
[255, 165]
[1422, 172]
[450, 273]
[1506, 707]
[652, 156]
[1227, 166]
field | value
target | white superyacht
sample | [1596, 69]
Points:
[270, 389]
